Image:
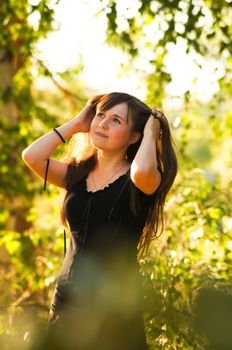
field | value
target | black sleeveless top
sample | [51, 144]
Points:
[99, 286]
[106, 209]
[104, 234]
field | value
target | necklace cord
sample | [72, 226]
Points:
[107, 181]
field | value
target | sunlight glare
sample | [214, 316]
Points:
[83, 33]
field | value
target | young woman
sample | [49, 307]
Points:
[113, 206]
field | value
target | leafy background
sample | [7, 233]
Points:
[187, 273]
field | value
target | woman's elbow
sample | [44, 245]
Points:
[26, 157]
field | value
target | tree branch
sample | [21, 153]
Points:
[58, 85]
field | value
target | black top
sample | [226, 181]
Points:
[103, 228]
[100, 269]
[109, 207]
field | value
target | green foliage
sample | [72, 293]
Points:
[193, 257]
[175, 18]
[31, 249]
[17, 34]
[193, 252]
[149, 28]
[33, 259]
[25, 112]
[188, 267]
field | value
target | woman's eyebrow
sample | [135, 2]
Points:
[118, 116]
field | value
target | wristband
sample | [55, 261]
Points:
[59, 135]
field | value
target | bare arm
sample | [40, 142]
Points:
[144, 172]
[36, 154]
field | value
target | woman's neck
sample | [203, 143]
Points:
[109, 163]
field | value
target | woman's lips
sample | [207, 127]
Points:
[100, 134]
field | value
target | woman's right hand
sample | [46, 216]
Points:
[84, 118]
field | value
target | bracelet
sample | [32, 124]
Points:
[59, 135]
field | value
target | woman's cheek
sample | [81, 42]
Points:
[93, 125]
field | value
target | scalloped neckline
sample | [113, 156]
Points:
[105, 187]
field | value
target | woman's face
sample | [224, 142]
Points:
[112, 130]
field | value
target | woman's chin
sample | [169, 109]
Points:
[97, 144]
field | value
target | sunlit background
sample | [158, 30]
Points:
[81, 38]
[174, 55]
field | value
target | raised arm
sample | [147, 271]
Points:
[36, 154]
[144, 172]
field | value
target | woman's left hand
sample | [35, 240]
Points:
[152, 125]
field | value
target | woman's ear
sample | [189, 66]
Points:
[135, 136]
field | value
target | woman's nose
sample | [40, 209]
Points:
[103, 124]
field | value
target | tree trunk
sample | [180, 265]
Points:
[10, 112]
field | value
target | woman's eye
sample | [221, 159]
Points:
[99, 114]
[117, 121]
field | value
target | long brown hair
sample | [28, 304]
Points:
[139, 113]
